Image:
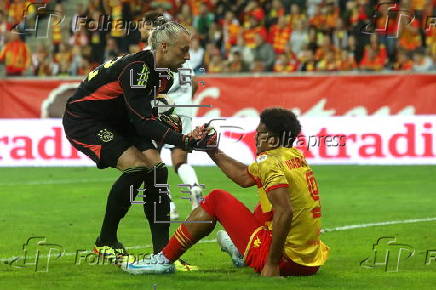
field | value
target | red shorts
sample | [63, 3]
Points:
[247, 229]
[257, 253]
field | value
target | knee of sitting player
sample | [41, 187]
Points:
[213, 199]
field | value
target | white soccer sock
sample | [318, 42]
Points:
[172, 206]
[187, 174]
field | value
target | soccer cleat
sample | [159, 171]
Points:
[115, 253]
[184, 266]
[155, 264]
[196, 196]
[227, 246]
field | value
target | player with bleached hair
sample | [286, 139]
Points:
[282, 236]
[111, 119]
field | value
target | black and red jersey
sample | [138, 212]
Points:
[122, 90]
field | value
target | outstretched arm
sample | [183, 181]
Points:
[281, 225]
[235, 170]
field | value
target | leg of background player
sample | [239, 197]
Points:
[219, 206]
[187, 174]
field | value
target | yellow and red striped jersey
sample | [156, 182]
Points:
[287, 167]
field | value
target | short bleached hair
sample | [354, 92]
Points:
[166, 32]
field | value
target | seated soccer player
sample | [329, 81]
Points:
[282, 236]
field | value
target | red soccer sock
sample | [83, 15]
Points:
[179, 243]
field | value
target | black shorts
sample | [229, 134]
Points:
[103, 142]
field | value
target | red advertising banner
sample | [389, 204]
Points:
[320, 96]
[323, 95]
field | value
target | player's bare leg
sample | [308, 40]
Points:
[220, 206]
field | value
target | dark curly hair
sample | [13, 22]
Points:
[281, 123]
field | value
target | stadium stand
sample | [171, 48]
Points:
[229, 36]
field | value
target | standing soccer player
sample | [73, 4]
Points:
[282, 236]
[111, 119]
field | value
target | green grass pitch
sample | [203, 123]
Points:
[66, 205]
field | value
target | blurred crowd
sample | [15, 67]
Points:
[228, 36]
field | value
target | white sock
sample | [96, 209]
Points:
[172, 206]
[187, 174]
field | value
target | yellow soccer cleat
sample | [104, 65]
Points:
[115, 253]
[184, 266]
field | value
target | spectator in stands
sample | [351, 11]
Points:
[62, 60]
[216, 34]
[312, 7]
[327, 62]
[293, 61]
[246, 53]
[403, 61]
[325, 48]
[77, 60]
[17, 11]
[235, 64]
[312, 43]
[118, 16]
[264, 52]
[209, 52]
[97, 39]
[111, 49]
[279, 34]
[372, 61]
[77, 16]
[231, 30]
[410, 35]
[299, 38]
[216, 64]
[38, 58]
[197, 53]
[421, 62]
[202, 23]
[331, 15]
[252, 28]
[56, 28]
[308, 60]
[277, 10]
[351, 46]
[297, 17]
[15, 55]
[340, 34]
[281, 63]
[185, 15]
[346, 61]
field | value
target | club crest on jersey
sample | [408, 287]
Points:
[105, 135]
[261, 158]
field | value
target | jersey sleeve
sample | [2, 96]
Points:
[138, 94]
[252, 170]
[271, 174]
